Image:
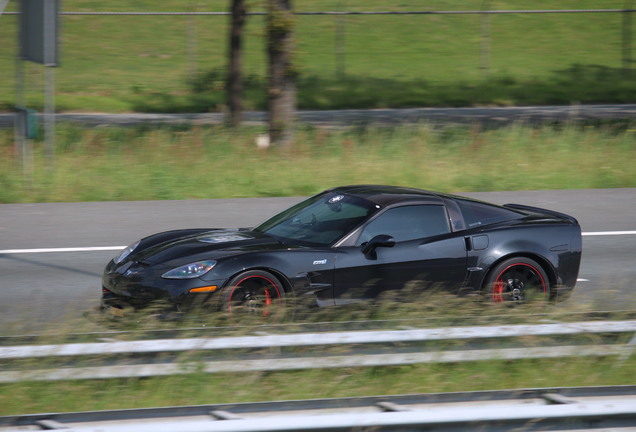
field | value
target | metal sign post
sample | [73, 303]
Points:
[38, 42]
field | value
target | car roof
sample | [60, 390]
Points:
[389, 195]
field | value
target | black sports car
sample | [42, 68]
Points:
[350, 244]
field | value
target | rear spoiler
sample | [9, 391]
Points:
[541, 211]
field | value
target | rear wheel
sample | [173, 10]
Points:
[518, 281]
[254, 296]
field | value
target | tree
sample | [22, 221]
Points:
[281, 89]
[235, 69]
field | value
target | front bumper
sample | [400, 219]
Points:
[138, 286]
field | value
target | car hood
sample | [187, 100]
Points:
[213, 244]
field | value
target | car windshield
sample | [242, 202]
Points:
[319, 220]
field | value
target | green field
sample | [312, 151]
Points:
[175, 63]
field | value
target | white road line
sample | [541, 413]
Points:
[609, 233]
[75, 249]
[114, 248]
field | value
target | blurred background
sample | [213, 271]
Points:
[415, 54]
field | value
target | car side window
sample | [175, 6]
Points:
[478, 213]
[408, 223]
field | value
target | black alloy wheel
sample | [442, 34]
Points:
[518, 281]
[256, 296]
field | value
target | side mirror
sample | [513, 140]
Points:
[381, 240]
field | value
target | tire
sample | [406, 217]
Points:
[518, 281]
[254, 296]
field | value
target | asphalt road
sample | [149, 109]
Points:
[48, 271]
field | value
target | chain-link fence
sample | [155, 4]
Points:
[174, 59]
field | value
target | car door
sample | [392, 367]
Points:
[425, 254]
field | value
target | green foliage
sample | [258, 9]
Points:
[579, 83]
[280, 22]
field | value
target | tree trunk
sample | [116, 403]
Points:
[281, 91]
[235, 70]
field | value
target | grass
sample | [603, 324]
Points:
[176, 64]
[439, 310]
[194, 389]
[193, 162]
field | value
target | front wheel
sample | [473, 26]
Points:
[254, 296]
[518, 281]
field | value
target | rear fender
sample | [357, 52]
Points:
[499, 250]
[542, 211]
[545, 264]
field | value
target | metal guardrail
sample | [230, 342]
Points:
[318, 350]
[345, 118]
[413, 12]
[565, 409]
[205, 331]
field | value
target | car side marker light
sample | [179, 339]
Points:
[204, 289]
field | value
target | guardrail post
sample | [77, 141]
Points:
[629, 350]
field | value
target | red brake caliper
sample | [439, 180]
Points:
[268, 297]
[268, 302]
[497, 292]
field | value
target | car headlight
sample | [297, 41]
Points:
[190, 271]
[124, 254]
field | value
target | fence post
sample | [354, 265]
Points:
[485, 39]
[627, 37]
[340, 42]
[191, 37]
